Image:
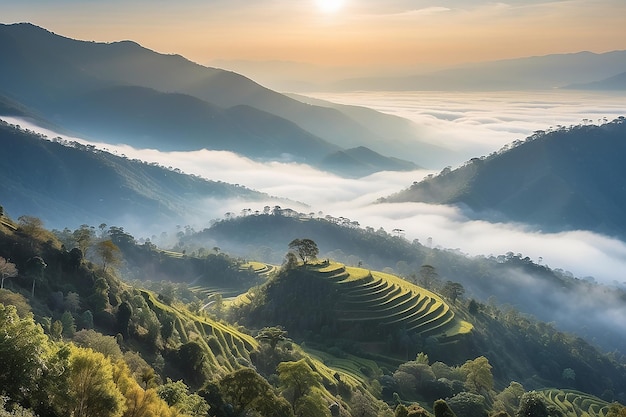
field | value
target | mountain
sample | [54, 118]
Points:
[566, 179]
[148, 118]
[530, 73]
[615, 83]
[48, 73]
[399, 133]
[362, 161]
[67, 184]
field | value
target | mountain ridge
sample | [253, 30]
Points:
[51, 180]
[45, 69]
[557, 180]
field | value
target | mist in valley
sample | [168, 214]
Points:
[473, 124]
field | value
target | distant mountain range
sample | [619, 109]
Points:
[566, 179]
[122, 92]
[615, 83]
[73, 185]
[531, 73]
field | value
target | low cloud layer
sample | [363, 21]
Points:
[474, 125]
[477, 123]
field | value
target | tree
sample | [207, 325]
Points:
[23, 352]
[32, 226]
[452, 291]
[428, 277]
[305, 248]
[616, 410]
[18, 300]
[478, 375]
[84, 236]
[7, 270]
[245, 390]
[442, 409]
[297, 380]
[272, 335]
[176, 394]
[191, 360]
[109, 253]
[92, 389]
[36, 266]
[532, 405]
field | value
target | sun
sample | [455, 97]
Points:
[329, 6]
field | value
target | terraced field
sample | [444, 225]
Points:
[386, 300]
[575, 404]
[221, 356]
[259, 268]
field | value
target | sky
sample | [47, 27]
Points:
[385, 36]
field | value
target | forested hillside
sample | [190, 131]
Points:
[169, 353]
[562, 179]
[552, 295]
[57, 180]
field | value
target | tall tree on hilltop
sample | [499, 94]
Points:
[109, 253]
[452, 291]
[305, 248]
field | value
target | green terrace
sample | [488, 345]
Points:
[574, 403]
[382, 299]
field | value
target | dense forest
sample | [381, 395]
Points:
[134, 330]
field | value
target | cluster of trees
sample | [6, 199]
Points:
[51, 368]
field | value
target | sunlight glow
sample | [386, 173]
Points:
[329, 6]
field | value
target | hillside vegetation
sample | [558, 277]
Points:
[355, 341]
[552, 295]
[563, 179]
[57, 180]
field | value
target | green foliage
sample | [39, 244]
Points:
[466, 404]
[452, 291]
[91, 386]
[509, 398]
[478, 376]
[13, 410]
[245, 391]
[107, 345]
[532, 405]
[305, 248]
[442, 409]
[176, 394]
[18, 300]
[272, 335]
[297, 380]
[24, 351]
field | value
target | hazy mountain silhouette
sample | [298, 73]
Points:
[538, 72]
[614, 83]
[172, 121]
[362, 161]
[71, 185]
[47, 72]
[566, 179]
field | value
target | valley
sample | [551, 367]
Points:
[181, 240]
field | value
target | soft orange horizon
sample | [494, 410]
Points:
[352, 34]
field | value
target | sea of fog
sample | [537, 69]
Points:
[475, 124]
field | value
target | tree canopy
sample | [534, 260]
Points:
[305, 248]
